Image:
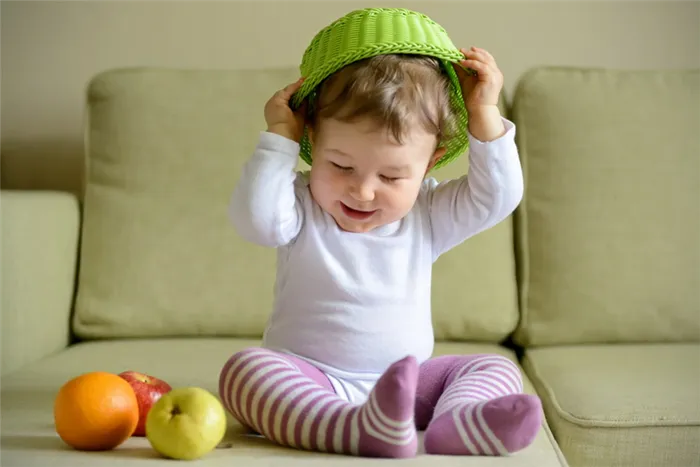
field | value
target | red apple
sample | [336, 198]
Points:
[148, 390]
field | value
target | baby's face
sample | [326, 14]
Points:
[365, 179]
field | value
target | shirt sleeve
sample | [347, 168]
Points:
[264, 207]
[486, 195]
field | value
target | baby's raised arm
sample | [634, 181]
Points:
[493, 188]
[489, 193]
[264, 208]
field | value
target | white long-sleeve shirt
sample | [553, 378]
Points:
[353, 303]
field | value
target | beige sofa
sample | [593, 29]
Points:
[593, 286]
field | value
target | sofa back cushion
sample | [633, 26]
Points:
[608, 234]
[159, 256]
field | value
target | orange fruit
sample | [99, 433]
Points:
[96, 411]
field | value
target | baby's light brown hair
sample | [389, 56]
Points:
[395, 91]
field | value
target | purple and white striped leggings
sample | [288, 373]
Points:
[467, 405]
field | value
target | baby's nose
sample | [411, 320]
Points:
[363, 192]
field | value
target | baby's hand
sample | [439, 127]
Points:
[480, 92]
[279, 116]
[484, 87]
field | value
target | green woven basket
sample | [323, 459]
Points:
[376, 31]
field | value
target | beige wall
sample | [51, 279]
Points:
[50, 50]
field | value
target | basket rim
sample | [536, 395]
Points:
[315, 77]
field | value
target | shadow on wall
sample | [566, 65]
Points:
[42, 165]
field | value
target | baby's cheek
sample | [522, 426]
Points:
[408, 194]
[331, 181]
[325, 184]
[395, 198]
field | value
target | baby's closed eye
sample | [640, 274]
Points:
[341, 167]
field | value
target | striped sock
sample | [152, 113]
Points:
[269, 394]
[483, 411]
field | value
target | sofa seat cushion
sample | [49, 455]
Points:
[29, 439]
[621, 405]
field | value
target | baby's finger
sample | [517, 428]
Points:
[482, 69]
[302, 110]
[486, 53]
[287, 92]
[480, 56]
[463, 73]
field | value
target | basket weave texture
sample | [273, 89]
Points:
[370, 32]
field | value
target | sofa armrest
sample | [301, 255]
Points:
[40, 237]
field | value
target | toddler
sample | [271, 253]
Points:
[345, 362]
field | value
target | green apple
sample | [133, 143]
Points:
[186, 423]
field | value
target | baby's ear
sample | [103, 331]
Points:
[439, 152]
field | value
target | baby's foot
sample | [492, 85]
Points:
[270, 394]
[495, 427]
[386, 426]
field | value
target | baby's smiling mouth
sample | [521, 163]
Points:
[355, 213]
